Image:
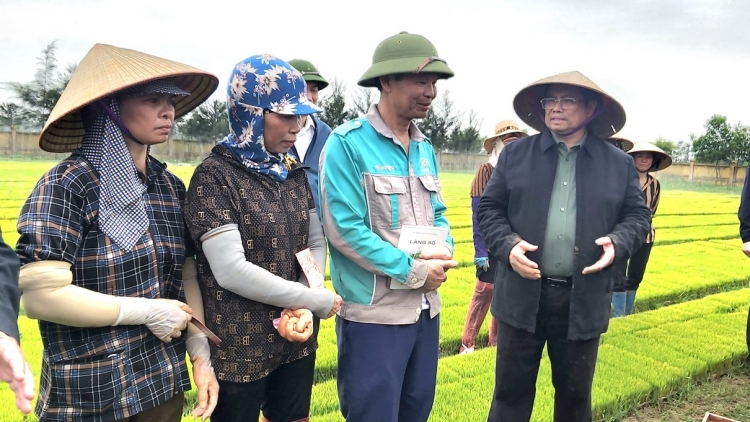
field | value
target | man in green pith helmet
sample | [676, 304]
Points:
[378, 174]
[314, 132]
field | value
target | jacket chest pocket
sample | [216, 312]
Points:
[429, 197]
[387, 201]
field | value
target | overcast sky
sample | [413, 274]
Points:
[671, 63]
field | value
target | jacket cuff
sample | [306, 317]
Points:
[503, 254]
[418, 274]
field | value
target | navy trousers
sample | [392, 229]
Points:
[387, 373]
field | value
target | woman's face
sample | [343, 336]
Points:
[643, 161]
[280, 131]
[149, 117]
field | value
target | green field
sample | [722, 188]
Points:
[689, 325]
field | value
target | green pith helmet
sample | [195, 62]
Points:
[309, 72]
[404, 53]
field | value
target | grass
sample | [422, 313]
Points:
[693, 297]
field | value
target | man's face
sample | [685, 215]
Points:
[411, 95]
[312, 92]
[566, 114]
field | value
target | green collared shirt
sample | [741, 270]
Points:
[560, 237]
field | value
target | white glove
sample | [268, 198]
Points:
[166, 318]
[197, 347]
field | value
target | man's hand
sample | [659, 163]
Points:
[436, 273]
[608, 256]
[746, 249]
[435, 252]
[15, 371]
[525, 267]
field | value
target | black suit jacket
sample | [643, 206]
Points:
[515, 206]
[9, 293]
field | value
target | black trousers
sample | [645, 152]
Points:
[519, 353]
[284, 395]
[629, 274]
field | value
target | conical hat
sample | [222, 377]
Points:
[106, 70]
[528, 108]
[503, 128]
[664, 159]
[620, 141]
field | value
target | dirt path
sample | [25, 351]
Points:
[728, 396]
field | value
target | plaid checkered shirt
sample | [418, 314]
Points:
[106, 373]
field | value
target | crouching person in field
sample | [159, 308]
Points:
[378, 174]
[250, 211]
[558, 209]
[108, 264]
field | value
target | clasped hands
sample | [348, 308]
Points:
[297, 325]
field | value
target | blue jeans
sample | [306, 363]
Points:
[387, 373]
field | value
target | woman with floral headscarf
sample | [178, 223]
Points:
[250, 210]
[108, 268]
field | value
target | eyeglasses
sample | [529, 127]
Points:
[567, 103]
[288, 118]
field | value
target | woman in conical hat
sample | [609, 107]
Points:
[647, 157]
[104, 246]
[506, 132]
[250, 212]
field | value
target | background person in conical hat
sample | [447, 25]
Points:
[378, 173]
[618, 295]
[250, 210]
[107, 260]
[560, 206]
[647, 157]
[506, 132]
[620, 142]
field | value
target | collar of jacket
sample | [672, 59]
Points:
[593, 146]
[377, 123]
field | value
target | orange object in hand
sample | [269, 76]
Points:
[297, 325]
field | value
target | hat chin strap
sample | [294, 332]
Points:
[579, 127]
[116, 120]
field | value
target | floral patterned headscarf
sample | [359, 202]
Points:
[259, 83]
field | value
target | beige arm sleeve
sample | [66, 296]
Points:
[49, 295]
[192, 293]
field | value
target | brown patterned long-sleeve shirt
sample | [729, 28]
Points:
[273, 220]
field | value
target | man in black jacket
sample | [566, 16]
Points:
[13, 366]
[560, 207]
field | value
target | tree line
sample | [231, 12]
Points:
[449, 130]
